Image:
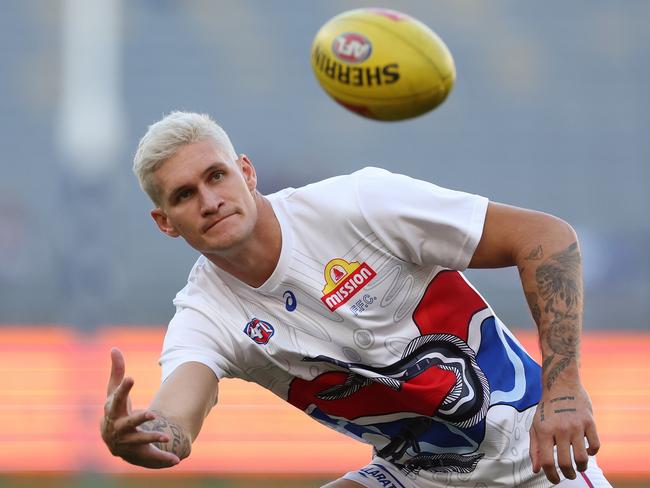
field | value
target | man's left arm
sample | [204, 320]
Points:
[545, 250]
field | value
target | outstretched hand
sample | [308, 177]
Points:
[120, 426]
[563, 419]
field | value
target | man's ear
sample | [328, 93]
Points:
[248, 170]
[163, 223]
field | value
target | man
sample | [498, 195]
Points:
[345, 298]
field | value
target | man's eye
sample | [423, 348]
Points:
[217, 175]
[185, 194]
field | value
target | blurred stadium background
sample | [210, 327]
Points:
[550, 111]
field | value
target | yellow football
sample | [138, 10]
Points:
[382, 64]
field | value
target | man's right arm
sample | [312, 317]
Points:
[162, 435]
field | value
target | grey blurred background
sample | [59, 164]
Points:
[550, 111]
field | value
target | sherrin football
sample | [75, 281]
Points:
[382, 64]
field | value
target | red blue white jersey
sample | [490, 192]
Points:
[368, 326]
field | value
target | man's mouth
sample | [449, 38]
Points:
[212, 223]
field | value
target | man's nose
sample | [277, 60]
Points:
[210, 201]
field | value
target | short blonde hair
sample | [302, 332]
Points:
[165, 137]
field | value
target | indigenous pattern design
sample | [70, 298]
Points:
[427, 410]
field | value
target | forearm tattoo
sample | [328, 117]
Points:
[557, 308]
[531, 298]
[178, 444]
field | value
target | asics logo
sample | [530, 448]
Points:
[290, 302]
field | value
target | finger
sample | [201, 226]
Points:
[129, 423]
[534, 451]
[580, 453]
[151, 457]
[119, 404]
[141, 437]
[547, 458]
[592, 438]
[117, 370]
[564, 459]
[166, 458]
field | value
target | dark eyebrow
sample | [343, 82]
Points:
[176, 191]
[213, 167]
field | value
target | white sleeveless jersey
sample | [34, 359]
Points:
[368, 326]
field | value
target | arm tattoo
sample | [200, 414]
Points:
[531, 298]
[536, 254]
[178, 444]
[559, 283]
[560, 366]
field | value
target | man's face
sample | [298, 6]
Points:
[206, 197]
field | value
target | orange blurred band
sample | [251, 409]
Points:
[53, 383]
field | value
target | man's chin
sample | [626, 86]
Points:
[218, 246]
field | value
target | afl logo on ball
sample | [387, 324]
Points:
[351, 47]
[259, 331]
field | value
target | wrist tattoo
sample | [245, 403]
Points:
[560, 366]
[541, 411]
[178, 444]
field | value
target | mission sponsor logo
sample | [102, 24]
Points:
[343, 280]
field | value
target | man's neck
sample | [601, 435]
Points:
[254, 262]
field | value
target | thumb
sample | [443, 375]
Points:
[117, 370]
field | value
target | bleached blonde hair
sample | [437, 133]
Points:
[165, 137]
